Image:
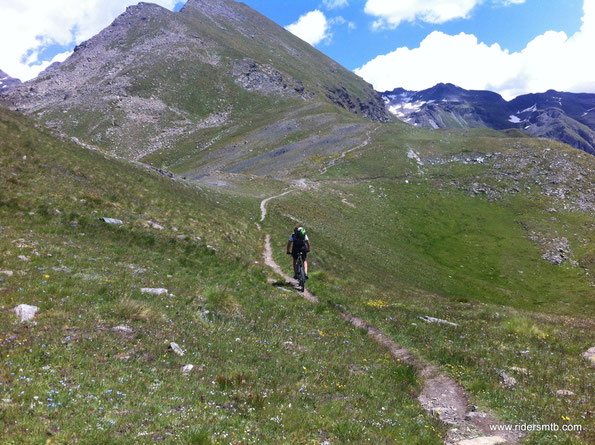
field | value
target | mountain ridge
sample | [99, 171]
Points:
[565, 117]
[7, 81]
[185, 84]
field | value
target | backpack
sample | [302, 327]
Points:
[299, 239]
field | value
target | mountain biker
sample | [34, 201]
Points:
[298, 242]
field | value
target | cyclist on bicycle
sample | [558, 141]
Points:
[298, 242]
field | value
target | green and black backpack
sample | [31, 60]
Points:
[299, 238]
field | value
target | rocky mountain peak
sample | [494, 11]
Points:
[189, 84]
[226, 8]
[566, 117]
[7, 82]
[443, 91]
[140, 11]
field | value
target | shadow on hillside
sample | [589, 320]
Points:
[287, 286]
[282, 284]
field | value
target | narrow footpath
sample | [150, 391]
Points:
[441, 395]
[324, 169]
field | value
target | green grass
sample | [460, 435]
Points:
[268, 366]
[277, 369]
[417, 244]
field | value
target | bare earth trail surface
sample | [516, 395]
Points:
[441, 395]
[324, 169]
[263, 209]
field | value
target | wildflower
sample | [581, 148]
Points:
[377, 303]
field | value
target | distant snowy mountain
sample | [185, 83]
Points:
[7, 82]
[566, 117]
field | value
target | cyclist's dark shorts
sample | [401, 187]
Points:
[294, 253]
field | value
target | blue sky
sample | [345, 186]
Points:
[508, 46]
[511, 26]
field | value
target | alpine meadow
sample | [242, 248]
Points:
[148, 187]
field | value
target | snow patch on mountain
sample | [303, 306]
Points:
[553, 115]
[6, 81]
[403, 109]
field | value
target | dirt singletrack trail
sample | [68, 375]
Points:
[269, 261]
[440, 396]
[263, 204]
[324, 169]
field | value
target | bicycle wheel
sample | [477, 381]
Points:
[301, 274]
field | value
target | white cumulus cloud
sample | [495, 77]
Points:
[312, 27]
[335, 4]
[28, 27]
[391, 13]
[551, 60]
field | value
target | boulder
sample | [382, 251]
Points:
[589, 355]
[25, 312]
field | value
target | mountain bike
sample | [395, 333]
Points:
[301, 274]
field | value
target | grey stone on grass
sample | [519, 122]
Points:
[155, 225]
[507, 380]
[187, 369]
[564, 393]
[589, 355]
[123, 329]
[25, 312]
[111, 221]
[437, 320]
[176, 348]
[154, 291]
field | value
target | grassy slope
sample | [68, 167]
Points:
[261, 39]
[416, 245]
[155, 76]
[376, 259]
[275, 369]
[252, 112]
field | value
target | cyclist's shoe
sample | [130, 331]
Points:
[306, 277]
